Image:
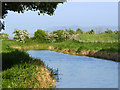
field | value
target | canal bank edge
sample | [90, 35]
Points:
[114, 56]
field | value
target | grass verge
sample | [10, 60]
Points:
[19, 70]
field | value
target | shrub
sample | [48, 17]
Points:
[61, 35]
[91, 31]
[21, 36]
[4, 36]
[117, 32]
[40, 35]
[79, 31]
[71, 32]
[108, 31]
[51, 37]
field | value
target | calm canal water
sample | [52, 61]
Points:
[78, 71]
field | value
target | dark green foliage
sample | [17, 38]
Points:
[18, 68]
[79, 31]
[10, 59]
[108, 31]
[20, 7]
[91, 32]
[40, 35]
[117, 32]
[80, 49]
[71, 31]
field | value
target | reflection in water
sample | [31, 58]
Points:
[78, 71]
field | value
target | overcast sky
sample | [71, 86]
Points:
[67, 14]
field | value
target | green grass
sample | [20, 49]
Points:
[99, 37]
[111, 47]
[71, 44]
[6, 44]
[19, 69]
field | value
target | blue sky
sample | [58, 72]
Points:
[70, 13]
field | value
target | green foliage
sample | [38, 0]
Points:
[71, 32]
[18, 68]
[4, 36]
[61, 35]
[117, 32]
[40, 35]
[91, 32]
[79, 31]
[108, 31]
[10, 60]
[42, 7]
[79, 49]
[20, 35]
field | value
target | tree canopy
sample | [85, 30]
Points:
[21, 7]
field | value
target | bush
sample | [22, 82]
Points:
[4, 36]
[61, 35]
[79, 31]
[21, 36]
[51, 37]
[108, 31]
[91, 32]
[40, 35]
[117, 32]
[71, 32]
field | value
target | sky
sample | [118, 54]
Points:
[82, 14]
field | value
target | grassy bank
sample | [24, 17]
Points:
[71, 44]
[97, 49]
[19, 70]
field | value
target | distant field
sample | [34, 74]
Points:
[98, 37]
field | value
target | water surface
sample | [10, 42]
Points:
[78, 71]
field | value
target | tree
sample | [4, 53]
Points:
[21, 7]
[40, 35]
[79, 31]
[61, 35]
[21, 36]
[91, 32]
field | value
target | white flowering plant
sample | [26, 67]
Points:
[4, 36]
[58, 36]
[21, 36]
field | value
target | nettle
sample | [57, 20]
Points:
[20, 35]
